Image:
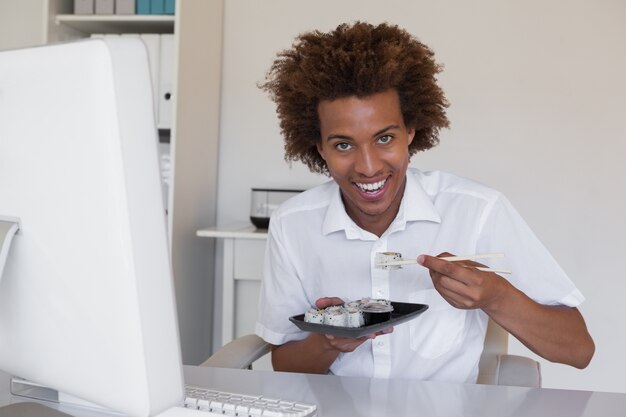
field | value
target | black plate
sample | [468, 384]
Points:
[401, 313]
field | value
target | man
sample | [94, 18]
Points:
[357, 103]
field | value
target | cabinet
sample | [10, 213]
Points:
[243, 250]
[197, 29]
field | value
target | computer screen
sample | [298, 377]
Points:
[87, 302]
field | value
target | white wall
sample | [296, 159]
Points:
[22, 23]
[538, 101]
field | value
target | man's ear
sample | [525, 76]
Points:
[411, 134]
[320, 149]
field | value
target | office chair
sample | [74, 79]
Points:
[496, 367]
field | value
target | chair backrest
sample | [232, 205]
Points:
[496, 343]
[241, 352]
[496, 367]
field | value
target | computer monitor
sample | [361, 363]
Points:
[87, 303]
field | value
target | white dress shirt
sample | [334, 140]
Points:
[315, 250]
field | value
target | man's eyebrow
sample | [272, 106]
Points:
[380, 132]
[338, 136]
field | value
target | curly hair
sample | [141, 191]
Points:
[354, 60]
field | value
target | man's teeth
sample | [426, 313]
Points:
[371, 187]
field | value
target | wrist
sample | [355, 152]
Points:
[503, 297]
[323, 343]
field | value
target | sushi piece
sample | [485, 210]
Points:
[353, 304]
[314, 315]
[355, 317]
[336, 316]
[352, 314]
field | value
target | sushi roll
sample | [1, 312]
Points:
[314, 315]
[353, 304]
[391, 256]
[336, 316]
[383, 257]
[352, 314]
[355, 316]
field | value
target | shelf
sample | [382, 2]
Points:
[238, 231]
[118, 23]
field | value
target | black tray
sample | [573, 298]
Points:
[401, 313]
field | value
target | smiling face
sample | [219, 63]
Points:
[365, 145]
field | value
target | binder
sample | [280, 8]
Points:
[153, 46]
[105, 6]
[143, 7]
[170, 7]
[83, 6]
[157, 7]
[166, 80]
[124, 6]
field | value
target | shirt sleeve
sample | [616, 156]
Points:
[282, 294]
[534, 270]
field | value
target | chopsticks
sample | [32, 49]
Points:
[382, 262]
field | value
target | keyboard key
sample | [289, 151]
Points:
[191, 402]
[271, 400]
[255, 412]
[216, 406]
[273, 412]
[229, 408]
[204, 404]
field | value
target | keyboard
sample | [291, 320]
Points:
[222, 403]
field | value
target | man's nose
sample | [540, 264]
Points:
[368, 161]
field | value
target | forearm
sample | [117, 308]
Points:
[556, 333]
[311, 355]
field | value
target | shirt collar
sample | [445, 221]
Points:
[336, 216]
[416, 205]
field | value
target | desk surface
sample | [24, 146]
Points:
[348, 396]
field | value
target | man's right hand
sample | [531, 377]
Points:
[317, 352]
[344, 344]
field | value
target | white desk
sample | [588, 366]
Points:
[242, 259]
[347, 396]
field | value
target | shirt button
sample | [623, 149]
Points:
[380, 343]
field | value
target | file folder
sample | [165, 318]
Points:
[83, 6]
[143, 7]
[124, 6]
[153, 45]
[170, 7]
[105, 6]
[166, 80]
[157, 7]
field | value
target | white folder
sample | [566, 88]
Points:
[104, 7]
[153, 45]
[166, 80]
